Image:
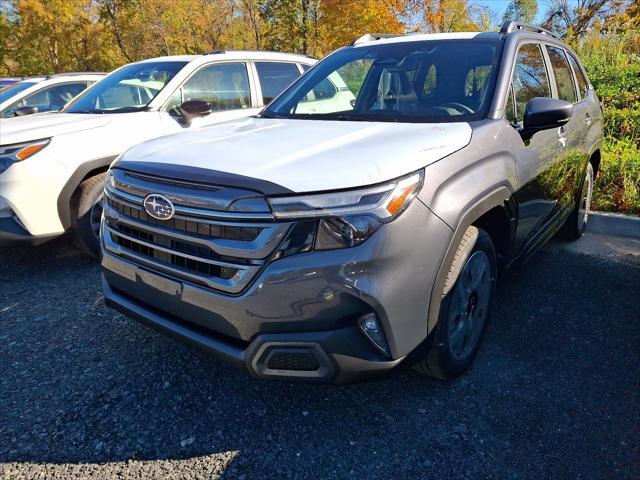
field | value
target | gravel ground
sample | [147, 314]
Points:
[87, 393]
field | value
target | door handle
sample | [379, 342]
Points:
[587, 119]
[562, 136]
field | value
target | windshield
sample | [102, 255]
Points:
[7, 92]
[419, 81]
[128, 89]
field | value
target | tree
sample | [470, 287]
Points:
[574, 20]
[291, 25]
[521, 11]
[343, 21]
[439, 16]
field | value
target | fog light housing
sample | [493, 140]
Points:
[371, 328]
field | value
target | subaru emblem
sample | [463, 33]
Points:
[159, 206]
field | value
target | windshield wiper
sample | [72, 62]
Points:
[359, 117]
[270, 115]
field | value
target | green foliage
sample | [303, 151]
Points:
[612, 61]
[618, 186]
[521, 11]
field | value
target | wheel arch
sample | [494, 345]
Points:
[67, 195]
[491, 212]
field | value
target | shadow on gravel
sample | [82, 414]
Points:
[554, 392]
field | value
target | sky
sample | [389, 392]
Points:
[501, 5]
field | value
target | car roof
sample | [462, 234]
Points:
[233, 55]
[508, 28]
[378, 39]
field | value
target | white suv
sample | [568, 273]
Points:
[43, 94]
[52, 165]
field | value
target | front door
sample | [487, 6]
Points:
[537, 157]
[225, 85]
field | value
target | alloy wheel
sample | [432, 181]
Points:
[470, 304]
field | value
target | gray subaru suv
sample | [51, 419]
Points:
[360, 221]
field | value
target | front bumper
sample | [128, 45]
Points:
[13, 234]
[298, 318]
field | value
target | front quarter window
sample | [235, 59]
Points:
[128, 89]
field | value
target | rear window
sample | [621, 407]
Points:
[562, 74]
[583, 85]
[275, 77]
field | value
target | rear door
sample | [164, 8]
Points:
[569, 165]
[536, 157]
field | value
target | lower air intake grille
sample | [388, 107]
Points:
[293, 359]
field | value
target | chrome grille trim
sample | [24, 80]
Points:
[234, 285]
[220, 250]
[190, 211]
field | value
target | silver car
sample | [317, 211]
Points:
[361, 220]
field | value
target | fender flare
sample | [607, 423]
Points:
[66, 194]
[495, 198]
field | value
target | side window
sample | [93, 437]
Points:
[224, 85]
[50, 99]
[562, 73]
[529, 77]
[583, 85]
[275, 77]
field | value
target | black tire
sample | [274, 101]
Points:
[576, 222]
[88, 206]
[442, 361]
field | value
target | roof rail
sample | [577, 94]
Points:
[71, 74]
[511, 26]
[370, 37]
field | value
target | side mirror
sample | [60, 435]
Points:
[544, 113]
[193, 109]
[22, 111]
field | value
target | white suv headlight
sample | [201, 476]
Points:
[9, 154]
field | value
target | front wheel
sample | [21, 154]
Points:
[86, 223]
[464, 312]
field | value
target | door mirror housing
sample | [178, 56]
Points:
[545, 113]
[193, 109]
[22, 111]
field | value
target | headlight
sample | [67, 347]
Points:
[9, 154]
[347, 218]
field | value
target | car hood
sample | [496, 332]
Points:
[46, 125]
[305, 155]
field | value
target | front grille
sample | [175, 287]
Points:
[229, 232]
[188, 264]
[195, 246]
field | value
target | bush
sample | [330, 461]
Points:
[618, 185]
[612, 61]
